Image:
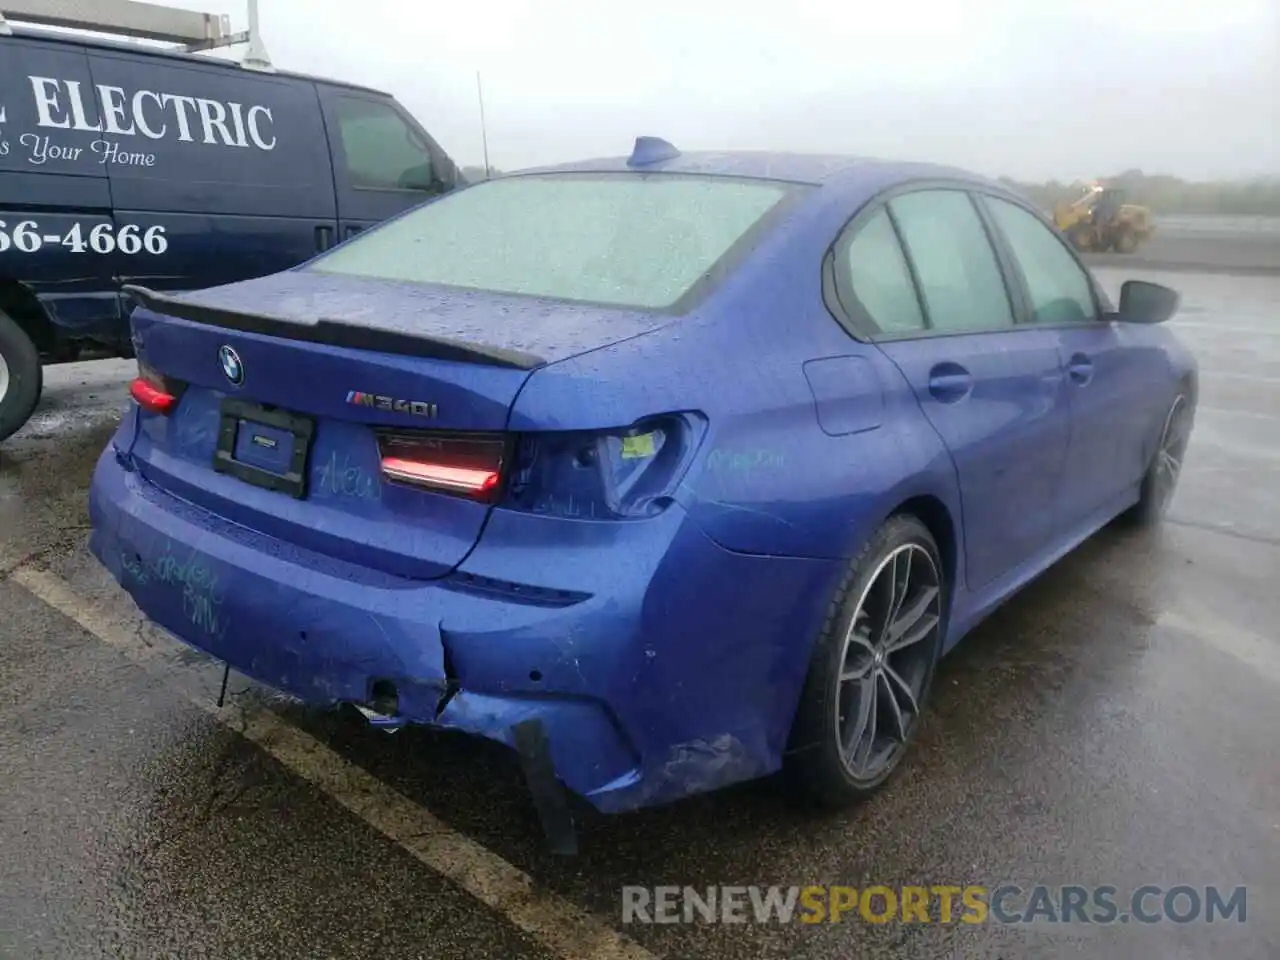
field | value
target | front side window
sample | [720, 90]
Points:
[1060, 291]
[959, 275]
[631, 240]
[382, 151]
[876, 279]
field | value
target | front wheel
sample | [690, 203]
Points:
[20, 377]
[872, 667]
[1161, 479]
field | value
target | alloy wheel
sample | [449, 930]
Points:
[885, 662]
[1172, 450]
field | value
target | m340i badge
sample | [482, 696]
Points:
[418, 408]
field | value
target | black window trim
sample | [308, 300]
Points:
[1000, 238]
[440, 163]
[860, 328]
[864, 330]
[912, 272]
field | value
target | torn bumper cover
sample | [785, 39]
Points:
[640, 703]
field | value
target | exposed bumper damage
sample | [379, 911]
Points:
[629, 697]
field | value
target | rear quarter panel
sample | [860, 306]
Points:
[813, 437]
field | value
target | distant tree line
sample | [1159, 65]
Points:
[1164, 194]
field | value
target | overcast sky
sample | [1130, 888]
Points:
[1030, 88]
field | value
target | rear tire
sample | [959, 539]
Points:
[1160, 482]
[867, 685]
[20, 377]
[1126, 242]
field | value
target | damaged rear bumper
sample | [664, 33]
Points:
[621, 691]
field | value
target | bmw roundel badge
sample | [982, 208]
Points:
[232, 368]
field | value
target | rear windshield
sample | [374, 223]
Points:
[629, 240]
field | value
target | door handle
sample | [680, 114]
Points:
[351, 230]
[950, 382]
[1080, 368]
[324, 238]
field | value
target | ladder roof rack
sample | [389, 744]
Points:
[191, 30]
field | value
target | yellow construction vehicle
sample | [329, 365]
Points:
[1099, 220]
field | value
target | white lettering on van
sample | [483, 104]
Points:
[237, 114]
[47, 102]
[255, 133]
[179, 107]
[109, 151]
[41, 149]
[213, 117]
[114, 112]
[140, 118]
[67, 105]
[78, 118]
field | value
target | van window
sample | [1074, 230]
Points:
[382, 151]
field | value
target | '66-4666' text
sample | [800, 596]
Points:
[27, 236]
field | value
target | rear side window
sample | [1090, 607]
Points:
[382, 151]
[876, 279]
[629, 240]
[959, 275]
[1060, 291]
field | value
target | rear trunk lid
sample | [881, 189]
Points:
[295, 376]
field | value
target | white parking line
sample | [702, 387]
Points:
[563, 928]
[1260, 655]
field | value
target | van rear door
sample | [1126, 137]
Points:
[55, 202]
[218, 173]
[384, 162]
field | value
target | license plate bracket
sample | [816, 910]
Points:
[237, 415]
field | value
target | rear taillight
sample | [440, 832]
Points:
[464, 465]
[154, 392]
[625, 474]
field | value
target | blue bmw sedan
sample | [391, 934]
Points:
[667, 471]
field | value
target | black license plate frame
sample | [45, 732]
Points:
[232, 412]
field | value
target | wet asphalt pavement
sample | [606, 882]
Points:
[1116, 724]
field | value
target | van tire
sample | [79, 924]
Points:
[21, 378]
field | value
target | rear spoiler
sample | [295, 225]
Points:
[336, 333]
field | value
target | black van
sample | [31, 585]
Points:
[122, 164]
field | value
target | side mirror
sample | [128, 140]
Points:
[1143, 302]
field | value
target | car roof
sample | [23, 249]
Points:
[165, 54]
[851, 173]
